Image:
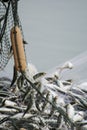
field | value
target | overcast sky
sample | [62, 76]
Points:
[56, 31]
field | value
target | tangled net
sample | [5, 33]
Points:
[8, 19]
[39, 102]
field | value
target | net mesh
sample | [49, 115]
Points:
[7, 21]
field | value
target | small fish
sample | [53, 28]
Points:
[79, 98]
[4, 94]
[78, 117]
[66, 65]
[70, 111]
[59, 84]
[37, 103]
[49, 79]
[19, 115]
[53, 79]
[77, 91]
[9, 103]
[67, 87]
[38, 76]
[26, 94]
[83, 86]
[59, 120]
[42, 122]
[56, 75]
[45, 102]
[20, 82]
[60, 101]
[30, 103]
[54, 101]
[66, 83]
[8, 110]
[69, 80]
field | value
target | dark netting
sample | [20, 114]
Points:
[7, 21]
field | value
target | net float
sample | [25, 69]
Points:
[18, 49]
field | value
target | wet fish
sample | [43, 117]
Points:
[66, 65]
[70, 111]
[9, 103]
[8, 110]
[30, 102]
[59, 120]
[38, 76]
[83, 86]
[45, 102]
[20, 83]
[78, 117]
[54, 101]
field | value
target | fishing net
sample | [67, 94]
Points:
[40, 101]
[43, 102]
[8, 19]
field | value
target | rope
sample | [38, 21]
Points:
[5, 23]
[59, 109]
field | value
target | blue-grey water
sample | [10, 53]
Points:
[56, 31]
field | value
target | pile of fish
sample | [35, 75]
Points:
[41, 102]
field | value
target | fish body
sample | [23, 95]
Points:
[70, 111]
[67, 65]
[78, 117]
[38, 76]
[30, 102]
[83, 86]
[9, 103]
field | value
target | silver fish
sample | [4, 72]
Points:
[38, 76]
[70, 111]
[78, 117]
